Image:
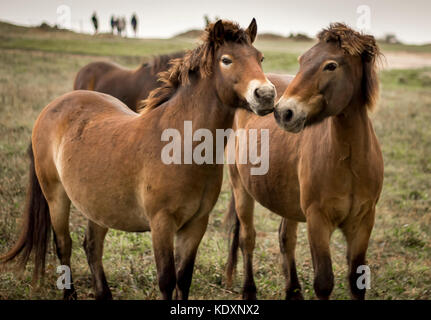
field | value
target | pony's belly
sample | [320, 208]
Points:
[282, 199]
[295, 214]
[104, 199]
[109, 209]
[285, 204]
[124, 219]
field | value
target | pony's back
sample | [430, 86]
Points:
[88, 75]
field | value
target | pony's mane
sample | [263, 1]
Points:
[161, 62]
[358, 44]
[198, 61]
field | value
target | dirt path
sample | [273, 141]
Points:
[406, 60]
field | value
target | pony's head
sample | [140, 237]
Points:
[339, 68]
[227, 57]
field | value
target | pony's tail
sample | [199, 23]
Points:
[36, 229]
[231, 219]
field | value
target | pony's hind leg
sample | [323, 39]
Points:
[59, 207]
[357, 234]
[93, 245]
[162, 232]
[187, 242]
[319, 234]
[287, 238]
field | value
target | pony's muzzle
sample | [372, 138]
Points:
[262, 98]
[289, 116]
[265, 94]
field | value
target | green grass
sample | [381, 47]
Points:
[69, 42]
[425, 48]
[36, 67]
[416, 78]
[98, 46]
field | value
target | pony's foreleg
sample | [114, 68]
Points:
[287, 238]
[244, 205]
[162, 231]
[93, 246]
[357, 235]
[319, 234]
[186, 246]
[59, 208]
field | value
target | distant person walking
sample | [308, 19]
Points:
[207, 20]
[121, 26]
[95, 22]
[134, 23]
[113, 24]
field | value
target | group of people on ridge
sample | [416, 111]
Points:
[117, 23]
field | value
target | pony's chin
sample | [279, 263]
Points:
[263, 112]
[315, 120]
[260, 110]
[292, 127]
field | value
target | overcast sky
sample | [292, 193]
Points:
[409, 20]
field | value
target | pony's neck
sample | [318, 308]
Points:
[200, 103]
[140, 71]
[351, 127]
[142, 67]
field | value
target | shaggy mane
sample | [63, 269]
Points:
[197, 61]
[358, 44]
[161, 62]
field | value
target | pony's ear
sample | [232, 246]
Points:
[218, 32]
[252, 30]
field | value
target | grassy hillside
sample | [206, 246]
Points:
[36, 66]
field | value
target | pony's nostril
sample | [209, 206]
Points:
[256, 93]
[288, 115]
[272, 93]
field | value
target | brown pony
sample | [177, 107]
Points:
[328, 175]
[129, 86]
[93, 151]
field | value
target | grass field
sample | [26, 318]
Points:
[36, 66]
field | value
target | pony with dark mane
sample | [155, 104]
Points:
[330, 171]
[90, 149]
[129, 86]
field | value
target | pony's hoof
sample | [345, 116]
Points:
[249, 294]
[295, 294]
[106, 295]
[70, 294]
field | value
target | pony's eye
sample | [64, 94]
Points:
[226, 61]
[261, 59]
[331, 66]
